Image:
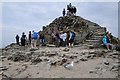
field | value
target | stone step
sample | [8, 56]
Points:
[100, 34]
[94, 36]
[92, 40]
[89, 44]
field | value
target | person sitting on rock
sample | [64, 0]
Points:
[17, 39]
[71, 38]
[104, 40]
[34, 39]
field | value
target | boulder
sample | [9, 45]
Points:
[84, 59]
[106, 62]
[66, 49]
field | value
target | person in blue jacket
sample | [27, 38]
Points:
[104, 40]
[34, 39]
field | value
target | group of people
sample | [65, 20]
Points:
[32, 39]
[71, 10]
[65, 38]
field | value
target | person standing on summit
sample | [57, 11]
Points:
[34, 39]
[17, 39]
[23, 39]
[64, 12]
[29, 37]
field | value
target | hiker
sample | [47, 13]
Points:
[74, 10]
[53, 36]
[29, 37]
[34, 39]
[63, 37]
[71, 38]
[42, 39]
[17, 39]
[69, 6]
[23, 39]
[57, 39]
[106, 44]
[63, 12]
[71, 10]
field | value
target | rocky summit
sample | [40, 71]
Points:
[88, 56]
[79, 25]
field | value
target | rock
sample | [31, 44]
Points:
[3, 68]
[2, 57]
[37, 73]
[91, 71]
[76, 61]
[84, 59]
[91, 46]
[88, 56]
[50, 45]
[115, 67]
[94, 52]
[106, 62]
[98, 68]
[51, 54]
[115, 56]
[115, 53]
[9, 57]
[33, 49]
[17, 56]
[6, 75]
[36, 60]
[59, 62]
[1, 72]
[53, 63]
[66, 49]
[72, 56]
[92, 56]
[83, 53]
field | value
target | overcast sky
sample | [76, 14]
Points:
[18, 17]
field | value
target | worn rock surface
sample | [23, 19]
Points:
[48, 62]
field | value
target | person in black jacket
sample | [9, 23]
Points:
[17, 39]
[30, 37]
[23, 39]
[64, 12]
